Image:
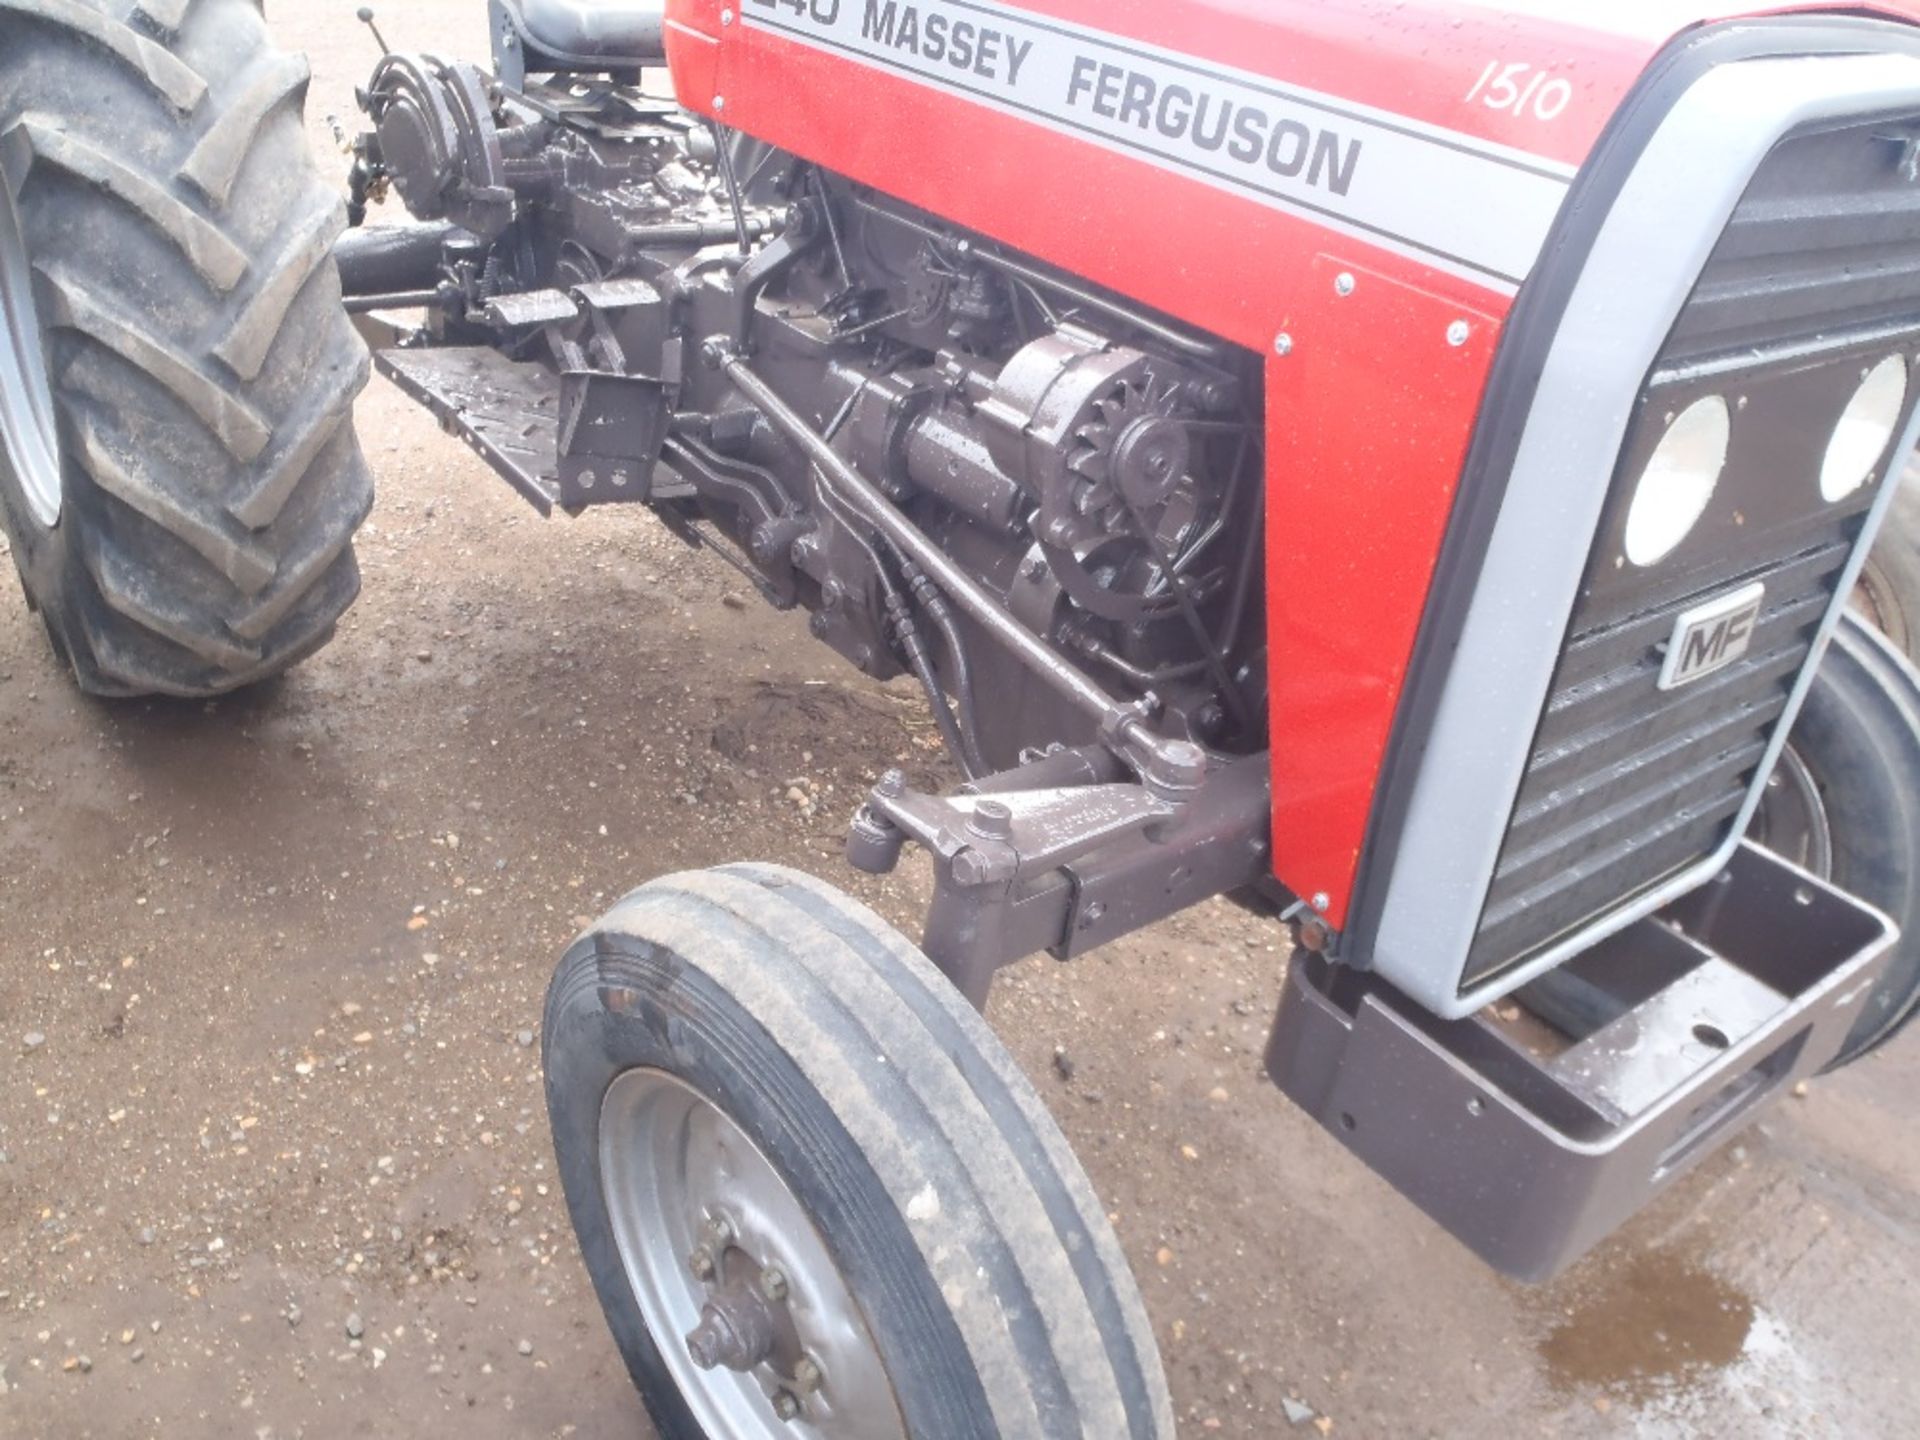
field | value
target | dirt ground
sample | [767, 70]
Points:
[272, 1154]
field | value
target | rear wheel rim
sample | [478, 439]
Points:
[27, 426]
[1877, 598]
[1792, 818]
[696, 1209]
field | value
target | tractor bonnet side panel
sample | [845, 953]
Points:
[1355, 197]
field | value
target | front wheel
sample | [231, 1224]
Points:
[815, 1195]
[1845, 803]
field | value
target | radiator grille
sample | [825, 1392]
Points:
[1628, 784]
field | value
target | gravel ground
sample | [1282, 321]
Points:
[272, 1155]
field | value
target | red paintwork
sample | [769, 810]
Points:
[1370, 414]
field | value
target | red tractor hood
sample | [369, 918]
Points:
[1355, 189]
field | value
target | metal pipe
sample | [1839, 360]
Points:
[402, 300]
[906, 537]
[382, 259]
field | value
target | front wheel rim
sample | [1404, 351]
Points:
[702, 1219]
[27, 426]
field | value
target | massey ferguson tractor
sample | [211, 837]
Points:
[1406, 468]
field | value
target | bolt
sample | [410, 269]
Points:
[702, 1263]
[785, 1405]
[1283, 344]
[1458, 332]
[773, 1284]
[719, 102]
[726, 17]
[817, 623]
[807, 1375]
[992, 819]
[1035, 568]
[1093, 914]
[586, 479]
[619, 479]
[892, 785]
[970, 868]
[1322, 901]
[1343, 284]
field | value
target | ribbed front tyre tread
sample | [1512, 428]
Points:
[202, 366]
[952, 1204]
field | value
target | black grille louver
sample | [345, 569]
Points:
[1627, 784]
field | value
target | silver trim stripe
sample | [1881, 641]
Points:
[1642, 269]
[1449, 200]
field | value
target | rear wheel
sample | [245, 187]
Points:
[1888, 593]
[1845, 804]
[179, 477]
[815, 1195]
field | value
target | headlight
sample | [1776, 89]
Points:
[1865, 430]
[1679, 479]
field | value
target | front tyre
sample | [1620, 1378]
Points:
[813, 1192]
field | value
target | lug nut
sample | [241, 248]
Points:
[773, 1284]
[806, 1375]
[785, 1405]
[702, 1263]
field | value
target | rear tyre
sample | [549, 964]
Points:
[1847, 806]
[180, 478]
[749, 1072]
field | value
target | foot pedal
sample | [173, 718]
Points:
[507, 411]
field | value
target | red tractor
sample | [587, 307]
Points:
[1404, 468]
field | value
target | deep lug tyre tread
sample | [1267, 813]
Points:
[202, 365]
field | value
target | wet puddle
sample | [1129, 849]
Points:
[1654, 1322]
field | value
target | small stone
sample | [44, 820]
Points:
[525, 1039]
[138, 1355]
[86, 1364]
[1323, 1423]
[1218, 1095]
[1802, 1090]
[356, 1327]
[1062, 1062]
[525, 1347]
[148, 1235]
[423, 656]
[33, 1039]
[365, 1037]
[1296, 1413]
[126, 1337]
[733, 601]
[1163, 1257]
[294, 1317]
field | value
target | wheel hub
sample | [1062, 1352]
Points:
[752, 1316]
[27, 427]
[736, 1330]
